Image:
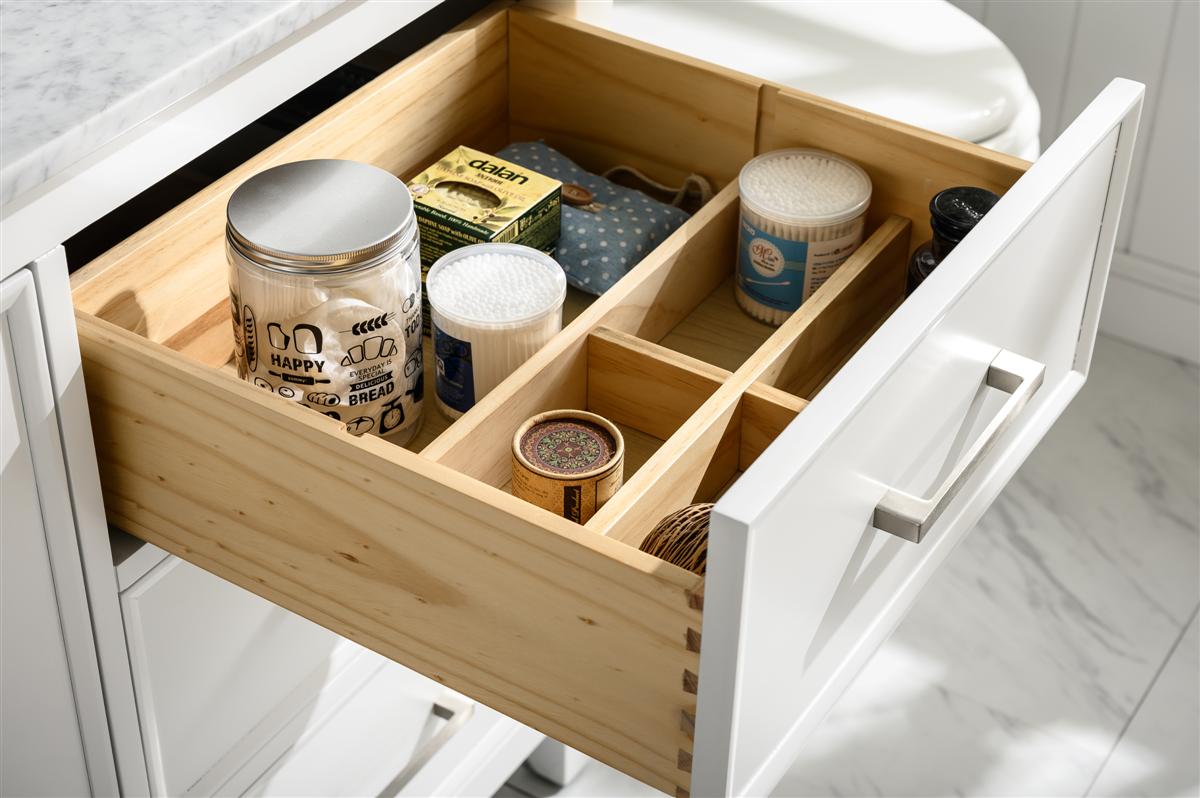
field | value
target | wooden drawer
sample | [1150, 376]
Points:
[425, 557]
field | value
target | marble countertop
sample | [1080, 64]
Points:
[75, 75]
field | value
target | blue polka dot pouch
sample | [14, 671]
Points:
[603, 240]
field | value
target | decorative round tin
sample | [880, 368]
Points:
[568, 461]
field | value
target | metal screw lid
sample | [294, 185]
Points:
[954, 212]
[320, 216]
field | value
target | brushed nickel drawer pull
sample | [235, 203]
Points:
[910, 517]
[453, 709]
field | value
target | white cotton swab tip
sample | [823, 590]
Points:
[802, 215]
[804, 187]
[492, 307]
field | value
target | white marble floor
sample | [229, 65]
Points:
[1056, 653]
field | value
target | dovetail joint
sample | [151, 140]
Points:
[687, 723]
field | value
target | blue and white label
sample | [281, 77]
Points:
[782, 274]
[455, 371]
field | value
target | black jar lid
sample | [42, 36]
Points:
[954, 212]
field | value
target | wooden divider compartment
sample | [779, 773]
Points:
[423, 556]
[647, 396]
[644, 384]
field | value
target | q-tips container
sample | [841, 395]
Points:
[493, 306]
[803, 213]
[325, 292]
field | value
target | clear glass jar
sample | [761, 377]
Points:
[324, 276]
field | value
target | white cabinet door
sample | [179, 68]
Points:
[237, 696]
[217, 672]
[53, 733]
[802, 583]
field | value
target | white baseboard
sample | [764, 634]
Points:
[1154, 306]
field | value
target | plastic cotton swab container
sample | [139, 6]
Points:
[492, 307]
[803, 213]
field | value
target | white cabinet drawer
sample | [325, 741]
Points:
[237, 696]
[216, 672]
[805, 584]
[570, 629]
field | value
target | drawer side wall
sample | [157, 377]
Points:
[907, 165]
[574, 634]
[608, 101]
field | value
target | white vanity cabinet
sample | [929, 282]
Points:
[915, 436]
[54, 737]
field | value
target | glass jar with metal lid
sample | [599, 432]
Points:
[325, 288]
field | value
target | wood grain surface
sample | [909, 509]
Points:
[907, 165]
[609, 100]
[575, 634]
[804, 348]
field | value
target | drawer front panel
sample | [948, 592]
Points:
[801, 584]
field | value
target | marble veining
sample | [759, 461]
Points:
[1159, 754]
[75, 75]
[1048, 625]
[900, 732]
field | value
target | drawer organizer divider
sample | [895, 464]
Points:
[423, 555]
[655, 297]
[810, 342]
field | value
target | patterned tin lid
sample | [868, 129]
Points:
[568, 443]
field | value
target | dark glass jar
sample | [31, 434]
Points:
[953, 213]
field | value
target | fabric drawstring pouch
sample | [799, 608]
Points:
[607, 227]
